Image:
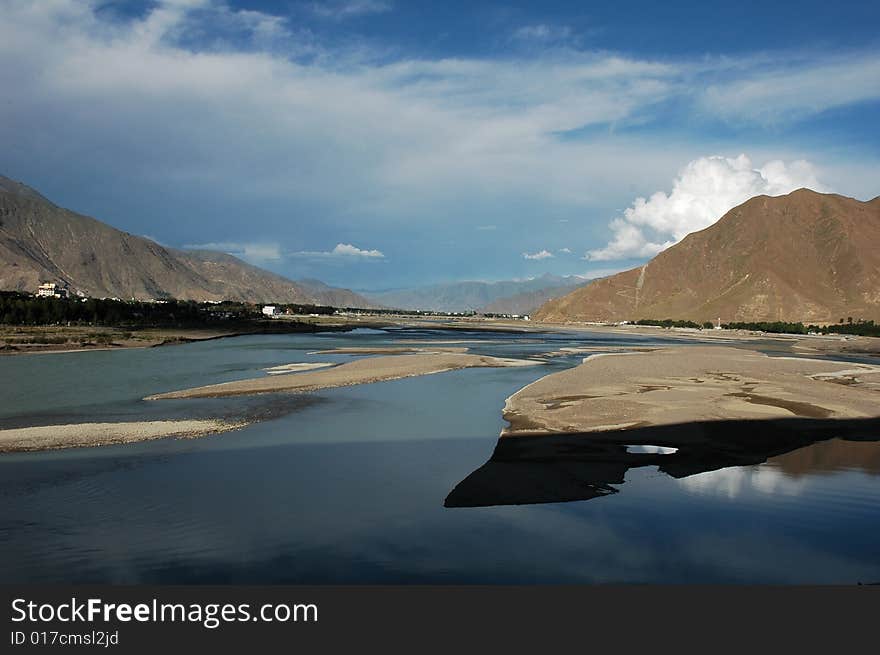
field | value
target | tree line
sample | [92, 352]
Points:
[859, 327]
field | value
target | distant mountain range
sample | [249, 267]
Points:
[41, 242]
[506, 297]
[805, 256]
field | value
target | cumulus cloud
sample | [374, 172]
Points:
[704, 190]
[541, 254]
[342, 250]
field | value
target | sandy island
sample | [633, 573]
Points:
[361, 371]
[296, 367]
[76, 435]
[690, 383]
[389, 350]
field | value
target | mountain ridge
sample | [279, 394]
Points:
[475, 295]
[804, 256]
[41, 241]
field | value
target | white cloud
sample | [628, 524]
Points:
[794, 90]
[343, 9]
[543, 33]
[541, 254]
[566, 251]
[255, 253]
[704, 191]
[342, 250]
[276, 118]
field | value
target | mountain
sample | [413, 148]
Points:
[527, 302]
[334, 296]
[806, 256]
[468, 296]
[40, 242]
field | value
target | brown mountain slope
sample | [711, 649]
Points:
[805, 256]
[40, 241]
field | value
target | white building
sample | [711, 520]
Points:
[51, 290]
[270, 310]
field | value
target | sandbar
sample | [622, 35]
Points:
[361, 371]
[389, 350]
[683, 384]
[76, 435]
[296, 367]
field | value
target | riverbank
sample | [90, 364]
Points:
[686, 384]
[797, 343]
[361, 371]
[24, 339]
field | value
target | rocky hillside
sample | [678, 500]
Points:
[41, 242]
[805, 256]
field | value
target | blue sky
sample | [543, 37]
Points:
[377, 144]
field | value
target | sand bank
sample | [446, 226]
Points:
[75, 435]
[690, 383]
[388, 350]
[296, 367]
[361, 371]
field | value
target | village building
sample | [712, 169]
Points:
[52, 290]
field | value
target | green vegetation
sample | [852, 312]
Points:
[780, 327]
[858, 327]
[670, 323]
[23, 309]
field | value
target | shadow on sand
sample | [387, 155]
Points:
[580, 466]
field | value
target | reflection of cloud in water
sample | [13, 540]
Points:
[732, 482]
[651, 450]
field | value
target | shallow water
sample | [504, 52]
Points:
[348, 485]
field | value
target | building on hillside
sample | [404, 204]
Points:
[52, 290]
[270, 310]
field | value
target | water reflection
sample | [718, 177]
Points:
[567, 467]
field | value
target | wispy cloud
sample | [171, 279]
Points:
[564, 251]
[255, 253]
[785, 91]
[343, 9]
[341, 251]
[272, 122]
[541, 254]
[542, 33]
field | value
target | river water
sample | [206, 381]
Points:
[353, 485]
